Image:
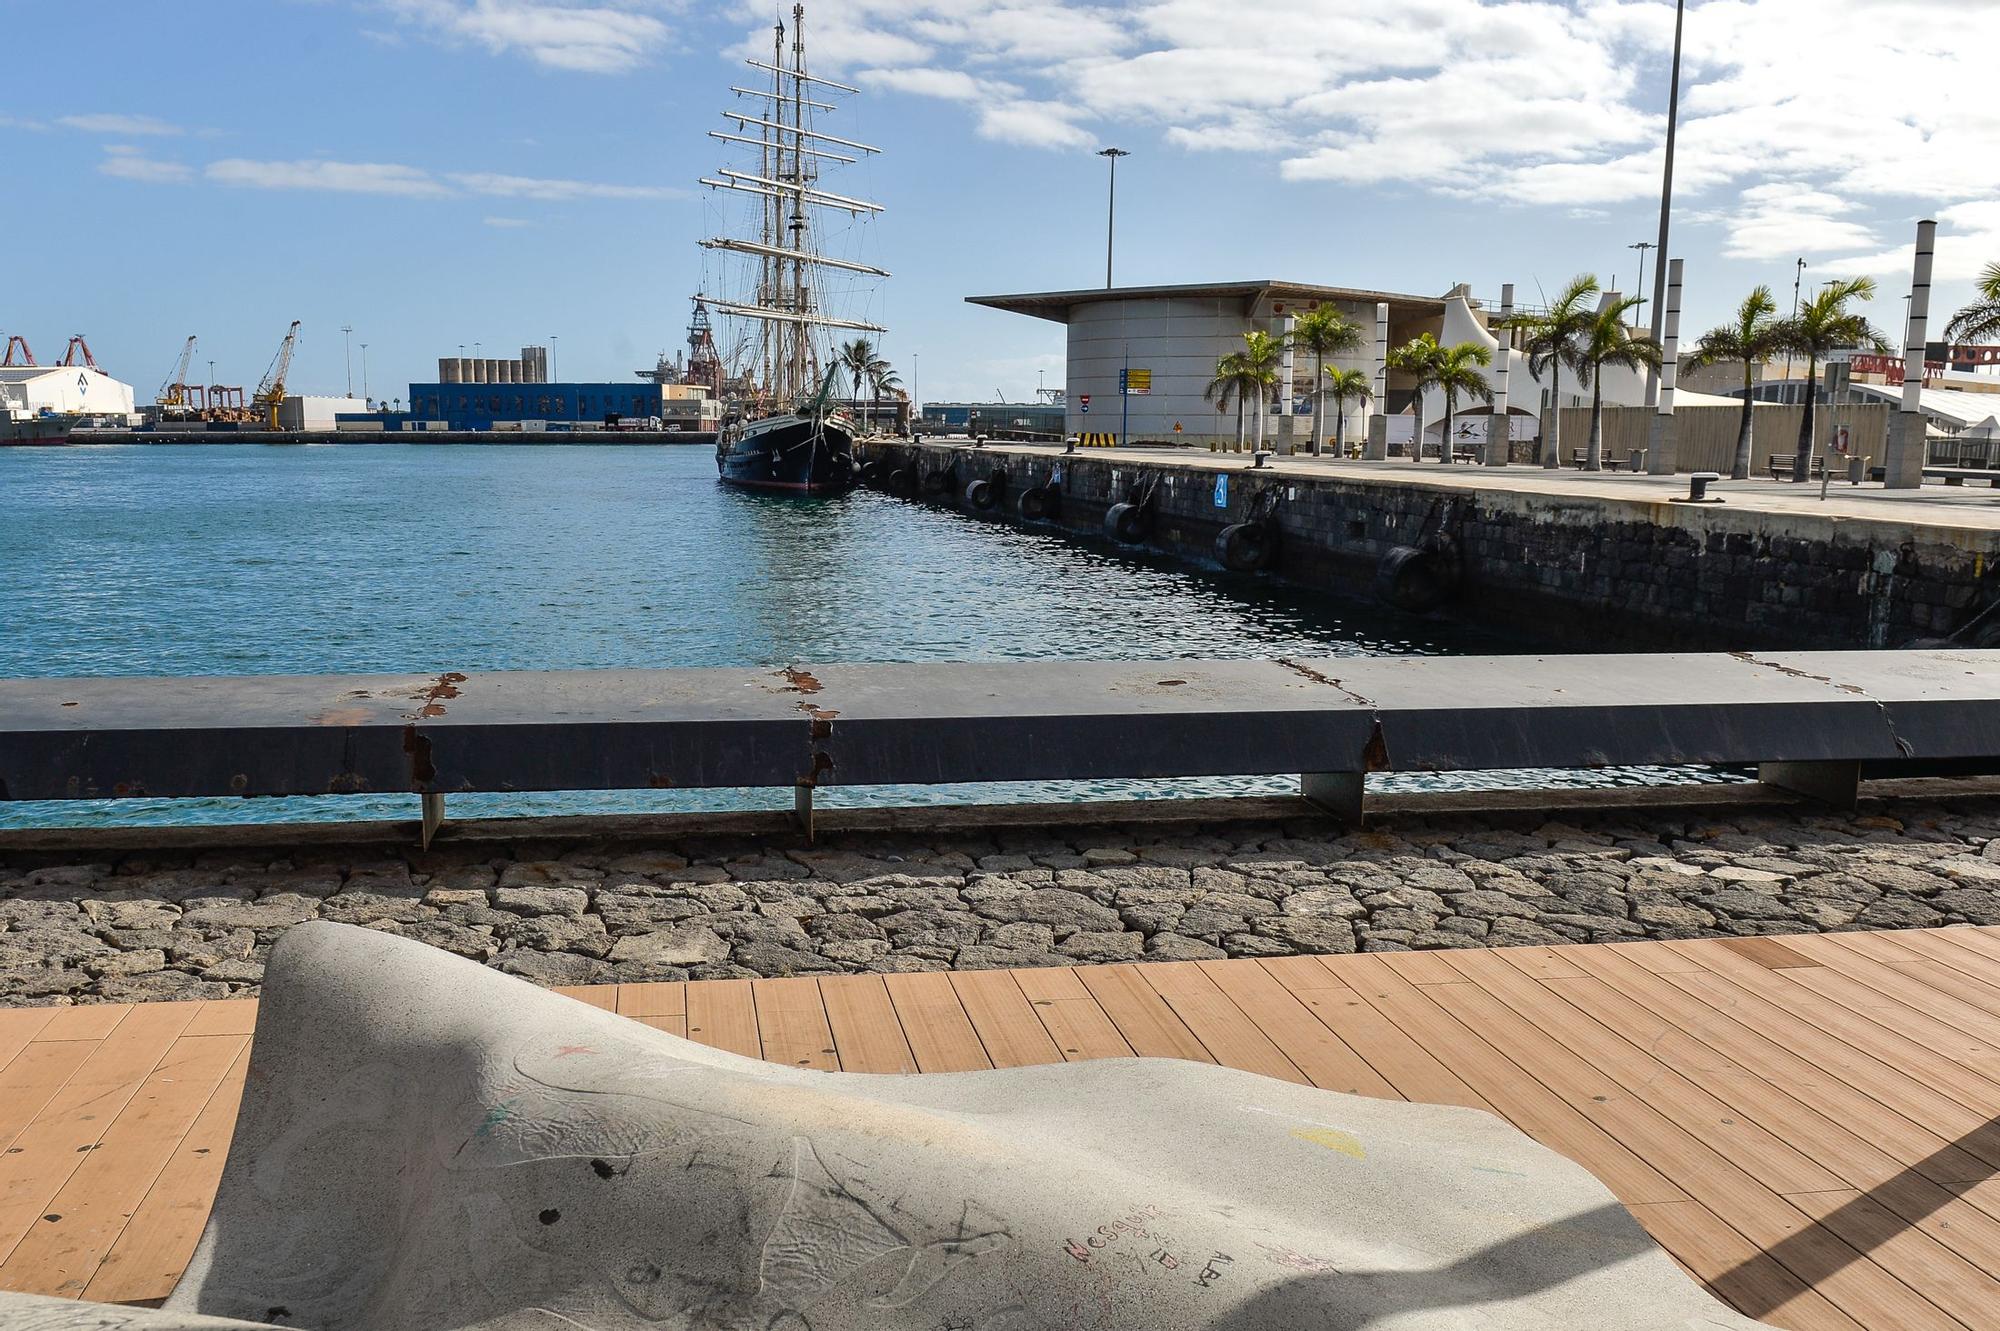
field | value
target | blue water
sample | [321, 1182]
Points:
[273, 559]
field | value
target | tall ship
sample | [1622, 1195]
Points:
[777, 278]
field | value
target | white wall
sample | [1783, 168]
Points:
[69, 390]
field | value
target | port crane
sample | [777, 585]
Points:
[77, 344]
[270, 394]
[27, 352]
[178, 396]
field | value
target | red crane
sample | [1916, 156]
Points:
[27, 354]
[76, 344]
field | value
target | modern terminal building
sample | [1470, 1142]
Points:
[996, 420]
[1168, 339]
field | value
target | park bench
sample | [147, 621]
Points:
[1960, 475]
[1783, 465]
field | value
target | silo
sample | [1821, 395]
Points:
[477, 370]
[492, 370]
[534, 368]
[447, 369]
[510, 372]
[465, 369]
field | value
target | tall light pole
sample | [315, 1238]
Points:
[1798, 276]
[1666, 203]
[364, 372]
[1110, 207]
[347, 344]
[1642, 246]
[552, 359]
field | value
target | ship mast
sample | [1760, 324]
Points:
[786, 302]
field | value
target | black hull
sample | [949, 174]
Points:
[789, 455]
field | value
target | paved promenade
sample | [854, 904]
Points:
[126, 926]
[1972, 507]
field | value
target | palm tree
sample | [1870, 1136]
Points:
[1341, 386]
[1979, 320]
[1418, 358]
[1551, 343]
[1324, 332]
[1232, 382]
[1608, 342]
[1458, 372]
[1825, 324]
[1752, 338]
[860, 359]
[881, 380]
[1262, 355]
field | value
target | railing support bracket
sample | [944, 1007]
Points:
[802, 808]
[1836, 783]
[1338, 793]
[433, 817]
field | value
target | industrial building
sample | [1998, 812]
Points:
[997, 420]
[28, 391]
[479, 405]
[531, 368]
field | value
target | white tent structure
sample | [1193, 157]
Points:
[27, 391]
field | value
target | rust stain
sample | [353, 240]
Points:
[800, 680]
[1375, 753]
[822, 764]
[418, 746]
[658, 782]
[434, 698]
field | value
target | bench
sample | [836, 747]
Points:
[1784, 465]
[1633, 461]
[1807, 720]
[1960, 475]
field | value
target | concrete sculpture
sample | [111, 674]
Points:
[426, 1143]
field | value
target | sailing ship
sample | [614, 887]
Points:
[783, 430]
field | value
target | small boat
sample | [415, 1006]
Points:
[782, 429]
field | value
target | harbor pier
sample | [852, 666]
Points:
[1594, 560]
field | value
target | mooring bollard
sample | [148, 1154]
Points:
[1070, 445]
[1698, 489]
[1260, 456]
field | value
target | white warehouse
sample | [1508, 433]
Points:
[27, 391]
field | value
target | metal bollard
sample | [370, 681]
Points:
[1259, 457]
[1069, 445]
[1698, 489]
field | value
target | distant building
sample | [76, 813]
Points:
[487, 406]
[998, 420]
[303, 412]
[27, 391]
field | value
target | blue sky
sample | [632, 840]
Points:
[446, 172]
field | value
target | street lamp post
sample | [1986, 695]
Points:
[1666, 203]
[364, 372]
[1798, 276]
[347, 344]
[1110, 207]
[1642, 246]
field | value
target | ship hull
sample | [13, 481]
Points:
[792, 454]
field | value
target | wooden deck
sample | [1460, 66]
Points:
[1807, 1124]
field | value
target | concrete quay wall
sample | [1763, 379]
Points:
[1591, 571]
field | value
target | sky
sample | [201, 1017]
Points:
[492, 173]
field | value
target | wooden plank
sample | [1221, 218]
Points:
[1661, 958]
[89, 1021]
[1773, 1044]
[1766, 952]
[1767, 1219]
[1422, 967]
[49, 1149]
[225, 1016]
[1901, 1015]
[148, 1257]
[1080, 1028]
[722, 1014]
[791, 1023]
[652, 998]
[1406, 1065]
[19, 1027]
[1544, 963]
[1144, 1019]
[1865, 1031]
[1008, 1027]
[1736, 1270]
[1504, 1083]
[1219, 1024]
[934, 1022]
[1945, 946]
[671, 1025]
[866, 1032]
[1656, 1078]
[85, 1217]
[1946, 1279]
[32, 1079]
[1327, 1060]
[1939, 990]
[603, 996]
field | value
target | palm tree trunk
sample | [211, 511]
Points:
[1745, 434]
[1260, 419]
[1593, 458]
[1417, 438]
[1239, 421]
[1552, 446]
[1319, 378]
[1802, 460]
[1444, 440]
[1340, 428]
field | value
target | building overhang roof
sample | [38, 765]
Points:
[1056, 305]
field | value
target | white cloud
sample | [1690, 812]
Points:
[338, 177]
[953, 85]
[532, 187]
[590, 38]
[126, 162]
[1786, 219]
[17, 122]
[111, 123]
[506, 223]
[1034, 125]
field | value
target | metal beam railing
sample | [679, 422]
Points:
[1813, 722]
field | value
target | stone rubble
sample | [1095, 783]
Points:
[175, 925]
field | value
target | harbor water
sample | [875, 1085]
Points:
[275, 559]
